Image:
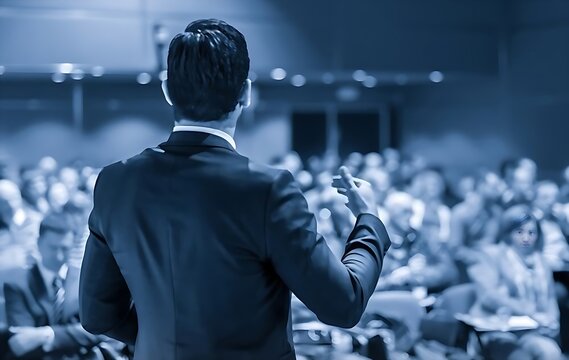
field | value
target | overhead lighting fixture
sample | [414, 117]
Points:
[77, 74]
[359, 75]
[143, 78]
[369, 81]
[65, 68]
[298, 80]
[98, 71]
[436, 76]
[58, 78]
[278, 74]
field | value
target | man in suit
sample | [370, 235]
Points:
[35, 304]
[194, 249]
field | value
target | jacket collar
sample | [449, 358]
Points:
[181, 139]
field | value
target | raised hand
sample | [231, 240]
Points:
[361, 199]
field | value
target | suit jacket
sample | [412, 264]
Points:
[29, 304]
[194, 251]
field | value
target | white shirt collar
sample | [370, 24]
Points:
[203, 129]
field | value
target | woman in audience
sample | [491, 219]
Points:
[514, 279]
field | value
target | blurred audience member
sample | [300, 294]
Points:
[555, 247]
[429, 211]
[416, 259]
[57, 196]
[36, 302]
[514, 279]
[475, 221]
[34, 190]
[564, 191]
[21, 228]
[520, 177]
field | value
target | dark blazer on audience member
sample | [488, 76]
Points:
[29, 304]
[194, 250]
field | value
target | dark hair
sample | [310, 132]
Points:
[207, 67]
[513, 218]
[56, 222]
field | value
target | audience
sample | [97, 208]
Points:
[503, 233]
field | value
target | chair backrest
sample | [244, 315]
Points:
[400, 305]
[457, 299]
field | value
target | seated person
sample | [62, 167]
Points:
[416, 259]
[514, 279]
[475, 222]
[40, 320]
[555, 246]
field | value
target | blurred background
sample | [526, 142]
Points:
[445, 106]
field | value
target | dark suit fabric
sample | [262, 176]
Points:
[194, 251]
[28, 304]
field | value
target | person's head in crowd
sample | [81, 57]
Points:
[529, 165]
[546, 195]
[372, 160]
[489, 186]
[428, 186]
[323, 180]
[354, 162]
[522, 184]
[399, 206]
[391, 158]
[90, 183]
[10, 192]
[70, 177]
[33, 186]
[379, 179]
[47, 165]
[520, 229]
[292, 162]
[57, 196]
[207, 81]
[466, 185]
[55, 240]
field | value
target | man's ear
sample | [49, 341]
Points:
[165, 91]
[245, 98]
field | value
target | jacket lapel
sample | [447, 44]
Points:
[39, 291]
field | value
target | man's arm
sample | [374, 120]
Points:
[17, 312]
[27, 336]
[105, 305]
[337, 291]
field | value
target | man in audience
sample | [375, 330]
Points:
[555, 246]
[36, 302]
[416, 259]
[520, 176]
[475, 221]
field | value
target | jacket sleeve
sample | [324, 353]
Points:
[105, 305]
[337, 291]
[17, 312]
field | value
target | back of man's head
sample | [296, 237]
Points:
[207, 67]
